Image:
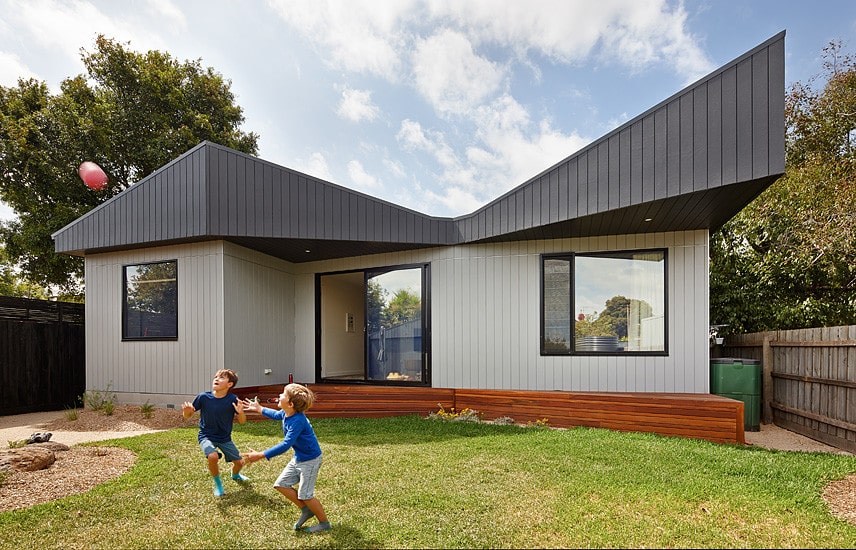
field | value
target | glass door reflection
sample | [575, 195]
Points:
[394, 324]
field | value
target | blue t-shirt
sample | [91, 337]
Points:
[216, 416]
[298, 433]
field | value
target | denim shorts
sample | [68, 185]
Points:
[305, 473]
[230, 450]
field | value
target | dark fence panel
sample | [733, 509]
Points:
[809, 380]
[42, 355]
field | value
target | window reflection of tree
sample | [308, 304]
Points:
[152, 288]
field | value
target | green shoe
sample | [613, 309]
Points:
[323, 526]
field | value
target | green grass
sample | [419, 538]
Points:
[409, 482]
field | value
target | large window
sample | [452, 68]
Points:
[604, 303]
[150, 309]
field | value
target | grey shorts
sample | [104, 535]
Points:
[303, 473]
[230, 450]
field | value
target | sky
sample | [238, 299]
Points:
[440, 106]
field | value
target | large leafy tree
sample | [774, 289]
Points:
[788, 260]
[131, 114]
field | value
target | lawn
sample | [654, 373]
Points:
[411, 482]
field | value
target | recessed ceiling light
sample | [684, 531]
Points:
[647, 219]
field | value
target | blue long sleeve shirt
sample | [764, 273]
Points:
[297, 432]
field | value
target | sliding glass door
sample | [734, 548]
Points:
[392, 322]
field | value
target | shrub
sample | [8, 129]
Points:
[147, 409]
[99, 400]
[465, 415]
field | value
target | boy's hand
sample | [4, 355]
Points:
[187, 409]
[252, 405]
[242, 418]
[252, 456]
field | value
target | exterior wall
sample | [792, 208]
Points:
[236, 310]
[161, 372]
[485, 302]
[248, 311]
[259, 316]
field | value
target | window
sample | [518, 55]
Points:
[150, 308]
[604, 303]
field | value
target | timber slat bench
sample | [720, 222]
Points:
[701, 416]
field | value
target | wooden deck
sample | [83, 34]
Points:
[702, 416]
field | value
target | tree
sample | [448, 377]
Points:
[788, 260]
[131, 114]
[404, 306]
[376, 298]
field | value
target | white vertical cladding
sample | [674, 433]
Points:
[486, 315]
[259, 322]
[182, 366]
[304, 325]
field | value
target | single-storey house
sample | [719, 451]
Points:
[592, 276]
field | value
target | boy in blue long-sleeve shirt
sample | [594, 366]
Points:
[302, 469]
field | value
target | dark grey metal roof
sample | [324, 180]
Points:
[691, 162]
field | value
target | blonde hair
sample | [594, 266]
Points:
[300, 396]
[228, 373]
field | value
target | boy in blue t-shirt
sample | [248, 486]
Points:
[217, 409]
[302, 469]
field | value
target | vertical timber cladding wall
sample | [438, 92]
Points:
[181, 367]
[259, 316]
[485, 317]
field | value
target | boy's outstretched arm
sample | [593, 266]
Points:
[252, 456]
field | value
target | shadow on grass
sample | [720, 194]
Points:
[342, 535]
[247, 496]
[392, 430]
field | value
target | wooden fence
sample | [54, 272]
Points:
[809, 380]
[42, 355]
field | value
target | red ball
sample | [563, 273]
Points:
[93, 176]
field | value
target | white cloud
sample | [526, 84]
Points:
[315, 165]
[511, 148]
[166, 11]
[514, 148]
[373, 36]
[456, 200]
[414, 138]
[356, 105]
[362, 180]
[630, 32]
[12, 68]
[358, 35]
[62, 27]
[395, 168]
[451, 75]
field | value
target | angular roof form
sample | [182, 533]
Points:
[691, 162]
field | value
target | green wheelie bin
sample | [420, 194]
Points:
[739, 379]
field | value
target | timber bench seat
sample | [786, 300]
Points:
[702, 416]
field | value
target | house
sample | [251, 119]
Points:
[590, 277]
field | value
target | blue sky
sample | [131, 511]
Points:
[440, 106]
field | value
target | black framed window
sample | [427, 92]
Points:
[604, 303]
[150, 301]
